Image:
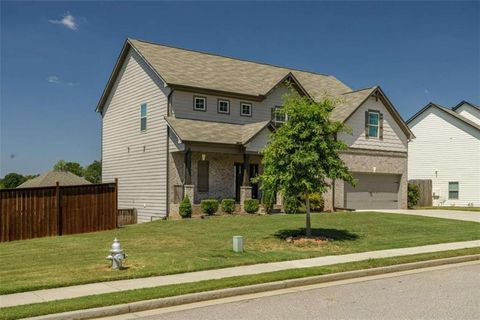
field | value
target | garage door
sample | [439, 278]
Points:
[373, 191]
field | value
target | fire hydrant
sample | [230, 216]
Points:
[116, 255]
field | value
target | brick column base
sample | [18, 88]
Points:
[245, 193]
[189, 190]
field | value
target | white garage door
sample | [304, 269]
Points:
[373, 191]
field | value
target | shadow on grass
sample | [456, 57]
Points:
[334, 234]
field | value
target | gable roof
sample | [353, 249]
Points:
[467, 103]
[49, 179]
[215, 132]
[447, 111]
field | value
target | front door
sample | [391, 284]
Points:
[239, 180]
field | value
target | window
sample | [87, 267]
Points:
[143, 117]
[373, 124]
[199, 103]
[453, 190]
[223, 106]
[279, 117]
[245, 109]
[202, 176]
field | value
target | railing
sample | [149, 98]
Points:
[126, 216]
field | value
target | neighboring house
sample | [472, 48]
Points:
[50, 179]
[447, 151]
[178, 121]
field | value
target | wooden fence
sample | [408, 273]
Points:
[126, 216]
[425, 187]
[49, 211]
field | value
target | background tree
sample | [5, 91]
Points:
[303, 154]
[13, 180]
[93, 172]
[73, 167]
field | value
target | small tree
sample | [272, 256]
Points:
[303, 154]
[185, 208]
[413, 195]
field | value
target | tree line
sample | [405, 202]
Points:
[92, 173]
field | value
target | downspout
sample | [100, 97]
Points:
[169, 102]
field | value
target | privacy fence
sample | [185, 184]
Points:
[50, 211]
[425, 188]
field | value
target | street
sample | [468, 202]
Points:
[446, 292]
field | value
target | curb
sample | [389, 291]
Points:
[230, 292]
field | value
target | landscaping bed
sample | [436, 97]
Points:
[167, 247]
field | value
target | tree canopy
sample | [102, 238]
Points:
[13, 180]
[302, 156]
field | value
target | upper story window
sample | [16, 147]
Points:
[279, 117]
[223, 106]
[143, 117]
[199, 103]
[245, 109]
[453, 190]
[372, 124]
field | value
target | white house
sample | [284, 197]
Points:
[447, 151]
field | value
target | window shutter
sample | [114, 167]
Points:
[202, 176]
[380, 134]
[273, 114]
[366, 124]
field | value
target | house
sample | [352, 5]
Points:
[447, 151]
[50, 179]
[180, 122]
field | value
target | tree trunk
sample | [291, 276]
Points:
[308, 229]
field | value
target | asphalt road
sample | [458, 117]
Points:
[451, 292]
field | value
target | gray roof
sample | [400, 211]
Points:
[215, 132]
[446, 110]
[467, 103]
[49, 179]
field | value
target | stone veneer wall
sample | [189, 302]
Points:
[363, 161]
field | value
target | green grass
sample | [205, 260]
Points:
[108, 299]
[451, 208]
[167, 247]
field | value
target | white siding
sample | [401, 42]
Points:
[182, 102]
[142, 174]
[446, 150]
[469, 112]
[394, 139]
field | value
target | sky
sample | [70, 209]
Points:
[56, 57]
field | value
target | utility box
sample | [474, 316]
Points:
[238, 243]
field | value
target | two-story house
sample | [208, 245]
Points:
[179, 122]
[447, 152]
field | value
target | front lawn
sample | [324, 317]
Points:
[165, 247]
[451, 208]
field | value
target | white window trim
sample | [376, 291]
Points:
[275, 121]
[458, 190]
[195, 103]
[241, 109]
[228, 106]
[373, 125]
[143, 117]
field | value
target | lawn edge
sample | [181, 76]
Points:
[125, 308]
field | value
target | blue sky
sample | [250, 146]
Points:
[56, 57]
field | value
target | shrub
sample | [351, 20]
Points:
[185, 208]
[413, 195]
[251, 205]
[268, 200]
[209, 206]
[228, 205]
[290, 204]
[316, 202]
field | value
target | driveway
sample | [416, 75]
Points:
[447, 214]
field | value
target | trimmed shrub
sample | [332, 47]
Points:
[209, 206]
[185, 208]
[268, 200]
[228, 205]
[413, 195]
[290, 204]
[251, 205]
[316, 202]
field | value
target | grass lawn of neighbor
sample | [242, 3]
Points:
[166, 247]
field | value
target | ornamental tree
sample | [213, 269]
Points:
[302, 156]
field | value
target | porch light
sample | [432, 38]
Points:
[204, 156]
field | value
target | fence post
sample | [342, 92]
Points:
[116, 202]
[58, 209]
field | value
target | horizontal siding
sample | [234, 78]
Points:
[470, 113]
[394, 139]
[446, 149]
[182, 103]
[142, 174]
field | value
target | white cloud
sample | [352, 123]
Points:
[67, 21]
[426, 91]
[57, 80]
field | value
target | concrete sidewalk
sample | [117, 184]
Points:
[437, 213]
[121, 285]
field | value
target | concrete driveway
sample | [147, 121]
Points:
[447, 214]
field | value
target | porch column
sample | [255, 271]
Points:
[245, 188]
[188, 187]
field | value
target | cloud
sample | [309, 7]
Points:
[67, 21]
[57, 80]
[426, 91]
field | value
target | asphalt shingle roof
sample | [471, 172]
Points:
[49, 179]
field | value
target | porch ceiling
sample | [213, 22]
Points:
[188, 130]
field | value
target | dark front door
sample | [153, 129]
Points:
[239, 180]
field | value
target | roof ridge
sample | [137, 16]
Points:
[234, 58]
[358, 90]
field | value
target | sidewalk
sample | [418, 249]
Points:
[121, 285]
[438, 213]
